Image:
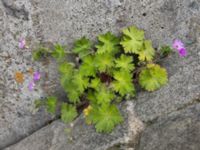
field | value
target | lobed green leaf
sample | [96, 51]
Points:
[68, 112]
[82, 47]
[105, 118]
[58, 53]
[108, 43]
[153, 77]
[132, 40]
[51, 104]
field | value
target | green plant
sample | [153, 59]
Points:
[104, 75]
[165, 50]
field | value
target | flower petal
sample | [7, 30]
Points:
[177, 44]
[22, 43]
[182, 52]
[36, 76]
[31, 85]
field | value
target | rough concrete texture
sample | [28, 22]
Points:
[179, 130]
[58, 136]
[65, 20]
[18, 118]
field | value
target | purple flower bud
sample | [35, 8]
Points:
[31, 85]
[182, 52]
[36, 76]
[179, 46]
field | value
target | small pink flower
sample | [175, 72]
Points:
[178, 44]
[36, 76]
[22, 43]
[31, 86]
[182, 52]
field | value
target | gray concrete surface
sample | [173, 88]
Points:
[65, 20]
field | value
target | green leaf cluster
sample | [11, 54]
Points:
[103, 74]
[58, 53]
[74, 84]
[51, 104]
[68, 111]
[40, 52]
[165, 50]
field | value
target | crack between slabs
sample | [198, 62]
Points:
[154, 120]
[58, 117]
[147, 123]
[29, 134]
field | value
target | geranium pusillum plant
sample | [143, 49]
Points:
[105, 74]
[180, 47]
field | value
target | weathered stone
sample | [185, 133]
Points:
[183, 87]
[177, 131]
[59, 136]
[17, 117]
[63, 21]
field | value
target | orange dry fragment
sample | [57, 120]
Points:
[19, 77]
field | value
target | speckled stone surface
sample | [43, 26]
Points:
[18, 117]
[78, 135]
[65, 20]
[178, 131]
